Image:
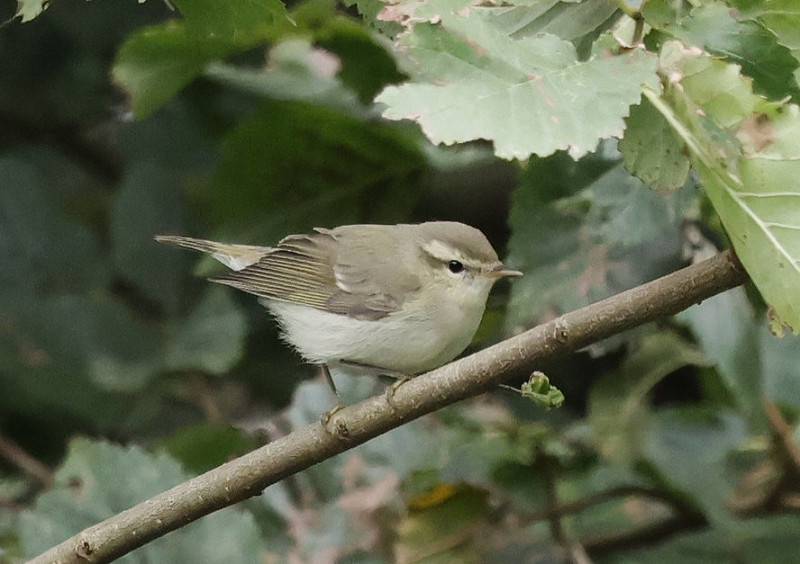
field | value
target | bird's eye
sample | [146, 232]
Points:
[455, 266]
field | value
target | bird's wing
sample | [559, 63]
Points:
[326, 270]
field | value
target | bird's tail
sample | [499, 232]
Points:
[235, 257]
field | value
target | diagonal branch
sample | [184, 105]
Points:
[249, 475]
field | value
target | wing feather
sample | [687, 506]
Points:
[348, 271]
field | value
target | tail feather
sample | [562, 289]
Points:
[235, 257]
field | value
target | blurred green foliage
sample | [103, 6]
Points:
[126, 374]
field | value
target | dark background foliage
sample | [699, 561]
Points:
[122, 372]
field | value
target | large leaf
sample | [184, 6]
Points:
[87, 490]
[240, 23]
[211, 337]
[528, 96]
[77, 356]
[156, 62]
[781, 17]
[689, 450]
[770, 539]
[613, 234]
[753, 189]
[41, 249]
[652, 151]
[725, 328]
[618, 404]
[713, 26]
[294, 166]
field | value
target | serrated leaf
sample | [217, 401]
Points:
[87, 490]
[753, 189]
[528, 96]
[613, 234]
[713, 26]
[651, 150]
[211, 337]
[27, 10]
[780, 17]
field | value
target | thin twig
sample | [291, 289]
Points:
[784, 440]
[518, 356]
[598, 498]
[15, 454]
[645, 536]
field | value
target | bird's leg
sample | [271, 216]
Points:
[340, 431]
[391, 390]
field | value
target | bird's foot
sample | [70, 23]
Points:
[335, 427]
[391, 390]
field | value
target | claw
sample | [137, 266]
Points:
[337, 428]
[390, 391]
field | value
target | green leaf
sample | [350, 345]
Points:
[203, 446]
[87, 490]
[239, 23]
[296, 71]
[540, 391]
[613, 234]
[770, 539]
[27, 10]
[725, 328]
[294, 166]
[780, 369]
[689, 450]
[444, 526]
[211, 337]
[618, 407]
[713, 27]
[149, 202]
[155, 62]
[75, 350]
[41, 248]
[753, 189]
[569, 21]
[528, 96]
[652, 151]
[780, 17]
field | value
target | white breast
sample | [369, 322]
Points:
[409, 342]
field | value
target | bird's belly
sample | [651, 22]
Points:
[409, 343]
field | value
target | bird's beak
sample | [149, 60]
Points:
[501, 271]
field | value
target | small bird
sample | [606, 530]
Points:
[394, 299]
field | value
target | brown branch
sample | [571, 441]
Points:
[644, 536]
[249, 475]
[572, 507]
[783, 436]
[17, 456]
